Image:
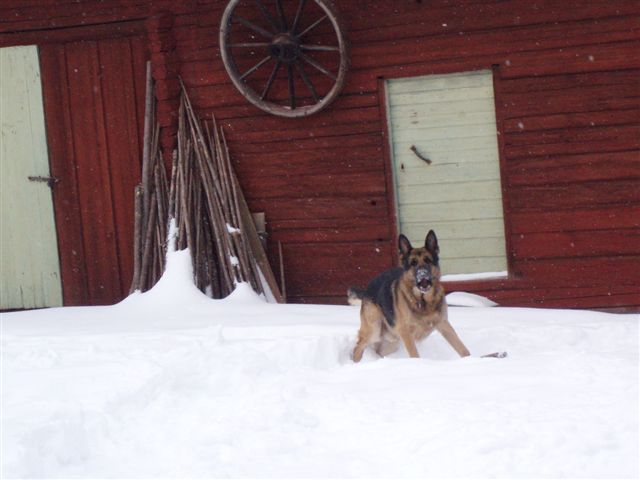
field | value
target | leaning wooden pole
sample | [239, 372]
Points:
[149, 117]
[204, 197]
[137, 239]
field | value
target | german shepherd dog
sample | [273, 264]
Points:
[405, 303]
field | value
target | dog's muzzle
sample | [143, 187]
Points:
[424, 281]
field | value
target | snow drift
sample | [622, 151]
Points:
[173, 384]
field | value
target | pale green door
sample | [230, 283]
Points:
[449, 119]
[29, 266]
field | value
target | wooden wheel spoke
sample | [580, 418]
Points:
[283, 19]
[320, 48]
[255, 67]
[296, 19]
[307, 82]
[249, 45]
[313, 25]
[253, 26]
[317, 66]
[292, 88]
[272, 77]
[267, 16]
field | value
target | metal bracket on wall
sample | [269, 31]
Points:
[419, 155]
[50, 181]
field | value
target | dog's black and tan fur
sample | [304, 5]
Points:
[405, 303]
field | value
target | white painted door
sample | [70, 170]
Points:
[29, 266]
[449, 119]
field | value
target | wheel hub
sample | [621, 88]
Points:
[285, 47]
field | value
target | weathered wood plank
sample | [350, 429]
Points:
[322, 185]
[574, 168]
[590, 58]
[573, 141]
[584, 271]
[578, 195]
[563, 220]
[120, 103]
[89, 134]
[62, 158]
[314, 162]
[572, 120]
[303, 208]
[576, 244]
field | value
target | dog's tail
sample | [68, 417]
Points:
[355, 295]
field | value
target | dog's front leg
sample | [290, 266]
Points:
[409, 343]
[450, 335]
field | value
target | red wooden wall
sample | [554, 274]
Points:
[568, 108]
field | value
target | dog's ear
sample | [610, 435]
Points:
[404, 245]
[431, 244]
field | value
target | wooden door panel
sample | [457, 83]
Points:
[92, 167]
[29, 267]
[93, 102]
[451, 120]
[122, 145]
[62, 161]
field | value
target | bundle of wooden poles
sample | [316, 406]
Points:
[205, 200]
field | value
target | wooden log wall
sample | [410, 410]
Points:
[568, 108]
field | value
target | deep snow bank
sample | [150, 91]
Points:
[172, 384]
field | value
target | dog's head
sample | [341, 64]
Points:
[423, 262]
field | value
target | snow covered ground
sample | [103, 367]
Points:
[171, 384]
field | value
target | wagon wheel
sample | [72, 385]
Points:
[282, 73]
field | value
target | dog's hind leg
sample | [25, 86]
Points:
[370, 328]
[388, 343]
[386, 347]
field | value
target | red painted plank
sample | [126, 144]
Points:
[577, 244]
[338, 141]
[323, 124]
[363, 126]
[581, 195]
[561, 220]
[319, 207]
[73, 14]
[62, 161]
[243, 112]
[312, 162]
[606, 297]
[436, 18]
[522, 124]
[591, 58]
[309, 272]
[329, 231]
[123, 146]
[72, 34]
[505, 45]
[579, 98]
[94, 185]
[573, 168]
[570, 272]
[329, 184]
[573, 141]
